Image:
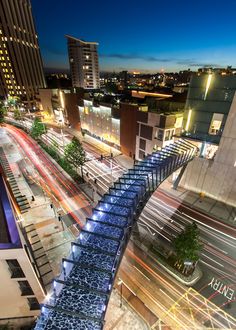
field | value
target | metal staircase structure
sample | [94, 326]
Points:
[80, 294]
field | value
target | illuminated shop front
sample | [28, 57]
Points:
[98, 121]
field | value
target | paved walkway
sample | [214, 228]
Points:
[55, 240]
[122, 318]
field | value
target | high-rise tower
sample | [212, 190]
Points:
[83, 59]
[21, 70]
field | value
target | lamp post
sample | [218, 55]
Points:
[111, 170]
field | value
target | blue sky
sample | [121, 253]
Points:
[140, 35]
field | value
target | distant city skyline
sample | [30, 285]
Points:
[134, 36]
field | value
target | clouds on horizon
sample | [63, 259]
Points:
[187, 62]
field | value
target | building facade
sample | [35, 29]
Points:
[208, 103]
[149, 126]
[156, 131]
[83, 60]
[102, 121]
[21, 70]
[210, 122]
[61, 105]
[21, 290]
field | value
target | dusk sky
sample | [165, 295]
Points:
[140, 35]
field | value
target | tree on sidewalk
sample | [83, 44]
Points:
[38, 128]
[2, 113]
[75, 154]
[187, 247]
[17, 114]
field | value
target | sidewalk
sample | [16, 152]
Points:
[210, 206]
[122, 318]
[40, 217]
[105, 148]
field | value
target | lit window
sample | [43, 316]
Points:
[216, 123]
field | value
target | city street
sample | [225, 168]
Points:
[104, 171]
[174, 304]
[165, 218]
[53, 180]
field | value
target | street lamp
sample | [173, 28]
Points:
[111, 167]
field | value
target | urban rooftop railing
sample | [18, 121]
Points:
[80, 294]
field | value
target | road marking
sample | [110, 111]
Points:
[222, 288]
[129, 288]
[203, 224]
[215, 247]
[142, 273]
[169, 297]
[212, 260]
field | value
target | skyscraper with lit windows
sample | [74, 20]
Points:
[83, 59]
[21, 70]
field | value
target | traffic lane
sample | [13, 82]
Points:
[70, 205]
[54, 171]
[195, 303]
[219, 261]
[157, 289]
[215, 240]
[228, 230]
[219, 289]
[211, 269]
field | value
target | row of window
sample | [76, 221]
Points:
[24, 286]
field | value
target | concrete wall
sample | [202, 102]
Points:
[45, 96]
[217, 178]
[72, 110]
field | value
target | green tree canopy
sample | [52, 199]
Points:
[17, 114]
[187, 244]
[2, 113]
[74, 152]
[38, 128]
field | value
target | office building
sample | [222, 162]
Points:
[101, 120]
[61, 105]
[208, 103]
[20, 287]
[150, 124]
[21, 70]
[209, 123]
[83, 60]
